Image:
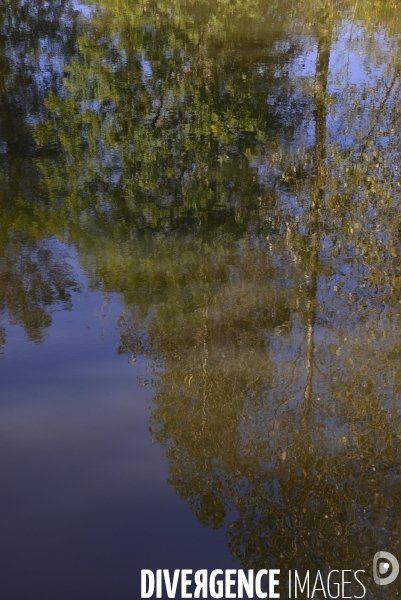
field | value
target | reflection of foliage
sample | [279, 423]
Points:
[275, 401]
[153, 123]
[249, 220]
[2, 339]
[33, 278]
[303, 484]
[30, 37]
[213, 358]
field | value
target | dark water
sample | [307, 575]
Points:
[200, 290]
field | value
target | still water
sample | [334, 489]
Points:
[200, 290]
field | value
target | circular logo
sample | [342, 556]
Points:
[388, 564]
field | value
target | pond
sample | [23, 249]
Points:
[200, 290]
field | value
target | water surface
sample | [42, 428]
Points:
[200, 290]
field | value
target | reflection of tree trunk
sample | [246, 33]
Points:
[311, 341]
[322, 70]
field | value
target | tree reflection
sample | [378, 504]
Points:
[34, 275]
[248, 216]
[277, 393]
[34, 278]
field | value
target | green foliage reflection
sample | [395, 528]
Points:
[248, 215]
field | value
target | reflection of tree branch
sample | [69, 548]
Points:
[322, 69]
[380, 108]
[352, 22]
[161, 101]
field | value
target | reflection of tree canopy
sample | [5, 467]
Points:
[249, 218]
[33, 278]
[33, 273]
[157, 121]
[302, 484]
[277, 378]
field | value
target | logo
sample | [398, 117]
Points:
[385, 563]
